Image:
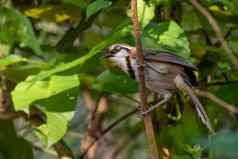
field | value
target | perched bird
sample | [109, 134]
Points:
[165, 73]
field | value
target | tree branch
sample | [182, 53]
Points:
[105, 131]
[10, 115]
[63, 151]
[217, 31]
[231, 108]
[94, 126]
[154, 154]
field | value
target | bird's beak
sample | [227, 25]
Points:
[106, 53]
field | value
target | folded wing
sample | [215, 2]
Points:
[169, 58]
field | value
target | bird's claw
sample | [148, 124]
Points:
[141, 113]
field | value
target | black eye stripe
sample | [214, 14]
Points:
[130, 69]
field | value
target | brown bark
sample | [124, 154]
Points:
[154, 154]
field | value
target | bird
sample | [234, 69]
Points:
[165, 74]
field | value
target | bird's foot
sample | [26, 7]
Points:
[142, 113]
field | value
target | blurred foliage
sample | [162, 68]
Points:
[51, 57]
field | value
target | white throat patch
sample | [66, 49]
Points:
[120, 59]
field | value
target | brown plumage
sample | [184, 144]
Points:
[165, 73]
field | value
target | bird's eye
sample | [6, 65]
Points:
[116, 49]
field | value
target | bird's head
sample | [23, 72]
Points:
[120, 55]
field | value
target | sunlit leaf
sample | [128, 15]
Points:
[4, 48]
[55, 13]
[59, 110]
[9, 60]
[166, 36]
[55, 128]
[16, 28]
[117, 35]
[26, 92]
[146, 12]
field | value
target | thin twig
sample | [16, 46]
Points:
[131, 99]
[105, 131]
[154, 153]
[74, 134]
[231, 108]
[222, 83]
[122, 118]
[217, 30]
[95, 124]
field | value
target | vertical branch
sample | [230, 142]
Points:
[106, 130]
[154, 154]
[217, 31]
[88, 145]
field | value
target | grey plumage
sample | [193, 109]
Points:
[165, 73]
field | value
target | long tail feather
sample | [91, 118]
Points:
[182, 85]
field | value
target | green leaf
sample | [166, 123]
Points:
[56, 13]
[16, 28]
[4, 48]
[10, 60]
[96, 6]
[117, 35]
[61, 102]
[26, 92]
[166, 35]
[55, 128]
[59, 110]
[12, 146]
[190, 20]
[112, 81]
[146, 12]
[186, 132]
[14, 59]
[225, 93]
[80, 3]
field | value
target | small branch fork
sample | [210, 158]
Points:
[106, 130]
[217, 31]
[154, 154]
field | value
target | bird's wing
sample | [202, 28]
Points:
[169, 58]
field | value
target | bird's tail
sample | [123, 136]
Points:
[182, 85]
